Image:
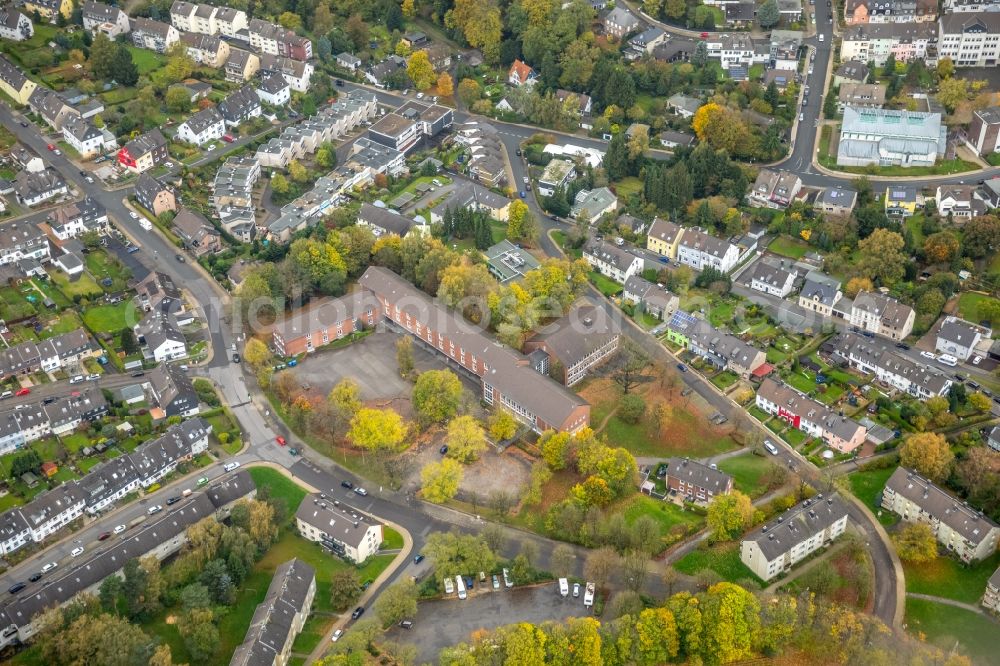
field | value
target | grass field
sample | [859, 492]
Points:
[944, 626]
[968, 305]
[867, 486]
[84, 285]
[280, 486]
[628, 186]
[723, 559]
[605, 285]
[947, 577]
[674, 521]
[147, 61]
[103, 266]
[748, 472]
[111, 318]
[790, 247]
[391, 539]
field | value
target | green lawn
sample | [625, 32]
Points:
[639, 441]
[942, 168]
[724, 380]
[75, 441]
[800, 380]
[915, 225]
[748, 472]
[946, 627]
[66, 321]
[391, 539]
[674, 521]
[103, 266]
[84, 286]
[790, 247]
[605, 285]
[15, 305]
[47, 449]
[723, 559]
[948, 577]
[968, 305]
[280, 486]
[111, 318]
[9, 501]
[628, 186]
[147, 61]
[867, 486]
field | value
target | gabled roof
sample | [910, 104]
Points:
[575, 336]
[203, 119]
[146, 143]
[699, 474]
[798, 524]
[953, 512]
[522, 71]
[385, 219]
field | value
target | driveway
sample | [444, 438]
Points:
[445, 622]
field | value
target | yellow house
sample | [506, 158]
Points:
[47, 8]
[664, 237]
[14, 82]
[901, 201]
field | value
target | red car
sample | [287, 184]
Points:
[50, 147]
[704, 35]
[281, 440]
[228, 138]
[24, 391]
[104, 536]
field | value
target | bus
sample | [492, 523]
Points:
[461, 587]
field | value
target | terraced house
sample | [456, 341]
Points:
[15, 25]
[957, 526]
[99, 17]
[275, 40]
[810, 416]
[611, 261]
[700, 250]
[153, 35]
[882, 315]
[664, 237]
[206, 50]
[898, 371]
[13, 82]
[50, 9]
[144, 152]
[280, 617]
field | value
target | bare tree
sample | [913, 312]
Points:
[502, 501]
[634, 569]
[599, 565]
[629, 366]
[670, 578]
[561, 561]
[494, 537]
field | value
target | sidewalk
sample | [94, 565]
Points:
[950, 602]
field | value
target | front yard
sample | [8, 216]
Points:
[722, 558]
[947, 577]
[949, 628]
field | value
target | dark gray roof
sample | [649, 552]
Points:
[798, 524]
[174, 391]
[958, 331]
[854, 70]
[238, 105]
[147, 187]
[88, 405]
[31, 184]
[953, 512]
[385, 219]
[638, 285]
[339, 524]
[608, 253]
[232, 488]
[699, 474]
[776, 276]
[107, 478]
[51, 503]
[578, 334]
[203, 119]
[824, 292]
[151, 457]
[273, 83]
[273, 622]
[723, 345]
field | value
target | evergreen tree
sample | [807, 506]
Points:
[771, 95]
[558, 204]
[616, 161]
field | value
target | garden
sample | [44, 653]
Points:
[753, 474]
[721, 558]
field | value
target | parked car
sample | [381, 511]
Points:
[361, 491]
[418, 558]
[35, 576]
[496, 582]
[133, 215]
[358, 612]
[49, 567]
[104, 536]
[339, 632]
[76, 380]
[927, 354]
[280, 440]
[156, 508]
[173, 500]
[228, 138]
[51, 146]
[77, 552]
[347, 484]
[180, 258]
[119, 529]
[22, 392]
[444, 449]
[16, 587]
[576, 590]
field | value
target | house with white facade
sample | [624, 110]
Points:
[700, 250]
[160, 338]
[959, 337]
[774, 189]
[960, 202]
[86, 139]
[810, 416]
[204, 126]
[882, 315]
[15, 25]
[350, 534]
[893, 369]
[153, 35]
[611, 261]
[776, 280]
[970, 40]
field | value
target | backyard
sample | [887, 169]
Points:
[789, 247]
[867, 486]
[111, 318]
[949, 628]
[752, 475]
[968, 305]
[722, 558]
[947, 577]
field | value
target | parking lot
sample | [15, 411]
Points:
[445, 622]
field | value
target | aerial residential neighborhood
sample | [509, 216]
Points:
[479, 332]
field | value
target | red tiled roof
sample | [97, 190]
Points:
[521, 70]
[763, 370]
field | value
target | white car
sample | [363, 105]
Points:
[927, 354]
[77, 552]
[977, 360]
[361, 491]
[49, 567]
[336, 635]
[420, 95]
[133, 215]
[576, 590]
[119, 529]
[57, 151]
[156, 508]
[169, 165]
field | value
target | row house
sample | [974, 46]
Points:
[970, 40]
[957, 526]
[204, 126]
[575, 344]
[349, 534]
[384, 222]
[206, 50]
[783, 50]
[280, 617]
[882, 315]
[861, 95]
[153, 35]
[159, 457]
[700, 250]
[777, 546]
[86, 139]
[664, 237]
[507, 378]
[653, 299]
[775, 189]
[68, 412]
[776, 280]
[240, 106]
[991, 596]
[159, 537]
[694, 481]
[50, 10]
[53, 109]
[810, 416]
[22, 241]
[241, 65]
[20, 427]
[14, 82]
[970, 6]
[273, 39]
[15, 25]
[721, 350]
[893, 369]
[77, 218]
[309, 208]
[486, 152]
[60, 351]
[472, 196]
[154, 196]
[144, 152]
[611, 261]
[51, 511]
[99, 17]
[858, 12]
[329, 124]
[231, 22]
[234, 183]
[874, 42]
[297, 73]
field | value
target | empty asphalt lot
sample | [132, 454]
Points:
[445, 622]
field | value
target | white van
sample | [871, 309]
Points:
[563, 587]
[229, 467]
[948, 360]
[461, 587]
[449, 587]
[771, 448]
[506, 579]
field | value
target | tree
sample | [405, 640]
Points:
[480, 22]
[451, 551]
[345, 589]
[555, 448]
[326, 158]
[404, 356]
[346, 396]
[123, 70]
[279, 183]
[657, 641]
[629, 366]
[502, 425]
[108, 593]
[409, 8]
[256, 353]
[631, 408]
[29, 461]
[731, 622]
[195, 595]
[768, 14]
[397, 603]
[981, 236]
[883, 256]
[262, 527]
[638, 143]
[728, 515]
[215, 576]
[856, 285]
[599, 565]
[980, 402]
[357, 31]
[466, 439]
[378, 430]
[290, 20]
[179, 65]
[562, 559]
[445, 86]
[298, 172]
[437, 396]
[616, 160]
[928, 453]
[420, 70]
[941, 247]
[916, 543]
[953, 92]
[322, 21]
[197, 628]
[178, 100]
[439, 481]
[469, 91]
